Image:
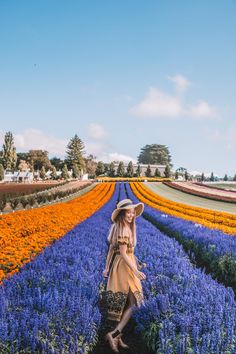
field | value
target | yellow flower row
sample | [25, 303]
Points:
[225, 222]
[25, 233]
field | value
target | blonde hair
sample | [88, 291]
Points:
[118, 228]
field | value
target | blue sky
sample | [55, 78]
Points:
[121, 74]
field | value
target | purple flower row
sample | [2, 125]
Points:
[51, 305]
[210, 248]
[185, 309]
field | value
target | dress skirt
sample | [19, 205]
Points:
[121, 280]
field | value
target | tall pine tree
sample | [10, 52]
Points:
[148, 172]
[111, 170]
[167, 171]
[130, 169]
[157, 173]
[138, 171]
[9, 156]
[74, 154]
[100, 168]
[120, 169]
[64, 172]
[53, 173]
[1, 172]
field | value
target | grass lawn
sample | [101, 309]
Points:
[223, 185]
[182, 197]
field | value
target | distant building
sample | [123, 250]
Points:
[18, 176]
[143, 168]
[84, 177]
[28, 177]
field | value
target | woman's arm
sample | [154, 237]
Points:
[108, 260]
[123, 248]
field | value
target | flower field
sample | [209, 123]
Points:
[50, 304]
[203, 191]
[25, 233]
[16, 189]
[225, 222]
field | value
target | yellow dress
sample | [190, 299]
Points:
[121, 279]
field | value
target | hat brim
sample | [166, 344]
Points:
[139, 208]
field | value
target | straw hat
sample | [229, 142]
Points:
[127, 204]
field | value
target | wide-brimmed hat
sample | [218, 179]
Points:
[127, 204]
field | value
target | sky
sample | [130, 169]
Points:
[120, 75]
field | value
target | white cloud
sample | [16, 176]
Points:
[37, 139]
[97, 131]
[202, 109]
[181, 82]
[99, 149]
[115, 156]
[158, 104]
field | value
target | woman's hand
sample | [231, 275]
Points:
[105, 272]
[142, 265]
[139, 274]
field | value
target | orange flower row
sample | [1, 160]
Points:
[225, 222]
[24, 234]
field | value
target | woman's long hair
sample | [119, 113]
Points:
[117, 228]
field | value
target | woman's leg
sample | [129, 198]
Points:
[127, 313]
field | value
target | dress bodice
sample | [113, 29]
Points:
[125, 238]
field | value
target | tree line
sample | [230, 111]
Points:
[75, 160]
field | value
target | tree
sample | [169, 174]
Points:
[120, 169]
[234, 178]
[57, 162]
[157, 173]
[23, 166]
[176, 174]
[155, 154]
[138, 171]
[75, 171]
[74, 153]
[111, 171]
[9, 156]
[212, 178]
[148, 172]
[130, 169]
[42, 173]
[37, 159]
[181, 170]
[53, 173]
[1, 172]
[100, 169]
[203, 177]
[90, 165]
[186, 175]
[21, 156]
[64, 172]
[225, 177]
[167, 171]
[106, 167]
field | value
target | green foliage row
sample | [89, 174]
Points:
[37, 198]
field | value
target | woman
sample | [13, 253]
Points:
[124, 289]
